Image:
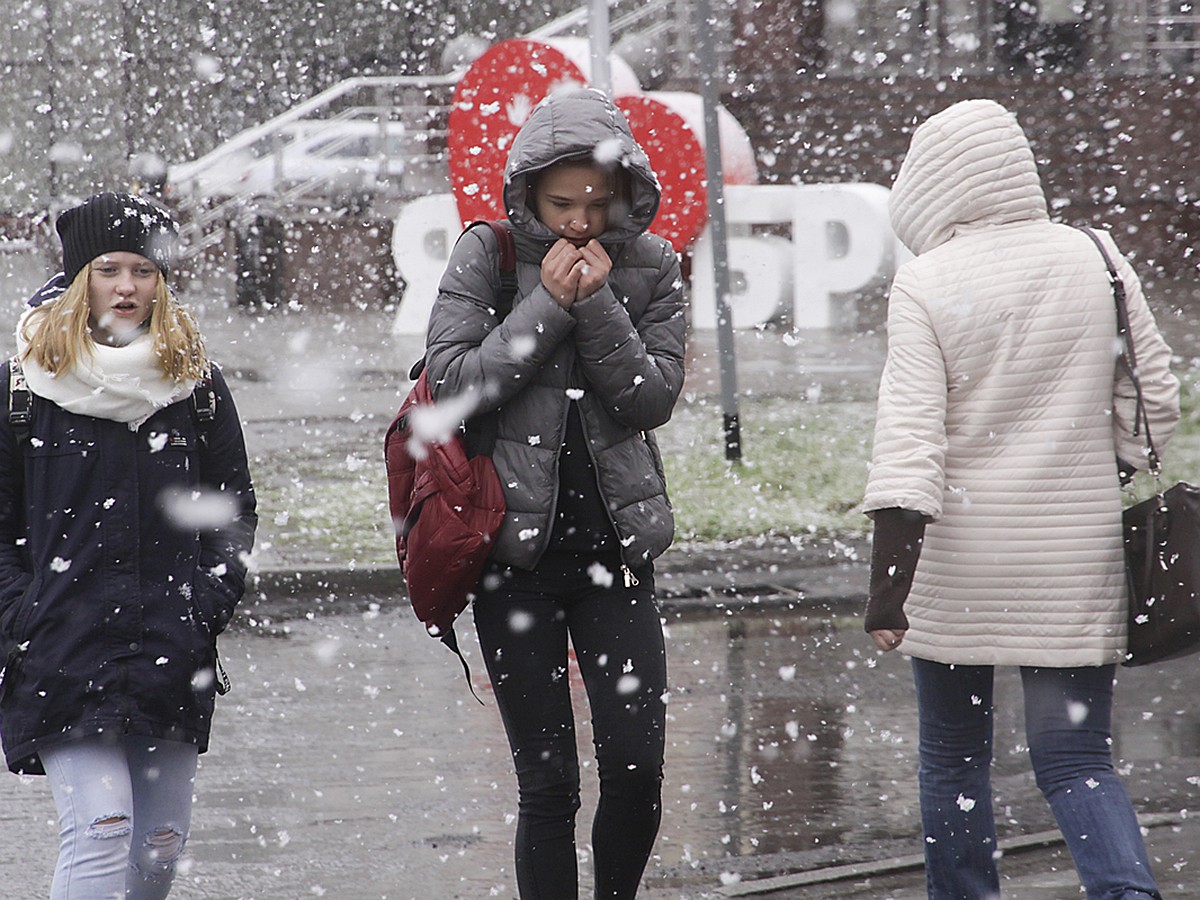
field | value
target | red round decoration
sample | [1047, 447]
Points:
[491, 103]
[498, 92]
[670, 128]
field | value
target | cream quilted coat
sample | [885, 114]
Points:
[1001, 410]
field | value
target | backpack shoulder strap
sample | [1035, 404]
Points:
[20, 402]
[204, 408]
[507, 247]
[508, 276]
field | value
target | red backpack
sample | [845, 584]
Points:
[447, 506]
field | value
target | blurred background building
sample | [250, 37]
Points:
[119, 93]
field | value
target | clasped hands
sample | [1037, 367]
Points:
[570, 272]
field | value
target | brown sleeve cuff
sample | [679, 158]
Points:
[895, 552]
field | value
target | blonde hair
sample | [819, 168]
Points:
[59, 340]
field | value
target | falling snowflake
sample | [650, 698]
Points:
[1077, 712]
[520, 622]
[518, 109]
[608, 152]
[601, 575]
[199, 510]
[522, 346]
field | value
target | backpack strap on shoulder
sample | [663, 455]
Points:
[20, 402]
[508, 277]
[204, 408]
[508, 263]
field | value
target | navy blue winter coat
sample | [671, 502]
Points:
[110, 607]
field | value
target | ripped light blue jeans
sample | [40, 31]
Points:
[124, 810]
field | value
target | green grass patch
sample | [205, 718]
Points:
[322, 501]
[803, 468]
[803, 471]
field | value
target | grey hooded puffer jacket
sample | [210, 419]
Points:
[618, 353]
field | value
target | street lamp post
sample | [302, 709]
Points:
[706, 59]
[599, 42]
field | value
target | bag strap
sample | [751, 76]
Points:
[508, 265]
[480, 431]
[204, 407]
[1141, 418]
[450, 639]
[507, 248]
[20, 402]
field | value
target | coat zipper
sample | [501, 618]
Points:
[630, 579]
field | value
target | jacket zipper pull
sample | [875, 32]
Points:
[630, 578]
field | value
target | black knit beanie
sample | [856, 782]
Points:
[110, 221]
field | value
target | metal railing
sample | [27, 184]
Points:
[420, 104]
[661, 25]
[1168, 36]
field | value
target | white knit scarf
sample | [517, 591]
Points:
[121, 384]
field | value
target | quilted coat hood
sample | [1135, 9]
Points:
[969, 166]
[580, 123]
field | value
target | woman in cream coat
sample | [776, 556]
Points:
[1003, 420]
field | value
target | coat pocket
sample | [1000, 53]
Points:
[11, 673]
[14, 622]
[211, 601]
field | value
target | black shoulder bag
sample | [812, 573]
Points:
[1162, 535]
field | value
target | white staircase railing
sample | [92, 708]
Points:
[1167, 36]
[421, 104]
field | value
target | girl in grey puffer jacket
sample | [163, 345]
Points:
[587, 363]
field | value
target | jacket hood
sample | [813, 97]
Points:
[967, 167]
[580, 124]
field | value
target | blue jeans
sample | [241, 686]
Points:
[110, 791]
[1068, 724]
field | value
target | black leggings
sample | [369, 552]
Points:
[523, 620]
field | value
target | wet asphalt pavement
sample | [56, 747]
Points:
[350, 760]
